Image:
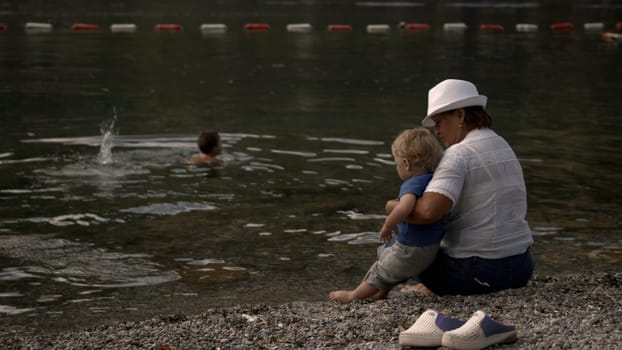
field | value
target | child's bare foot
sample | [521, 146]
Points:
[342, 296]
[381, 294]
[418, 288]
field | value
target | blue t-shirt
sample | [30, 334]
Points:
[413, 234]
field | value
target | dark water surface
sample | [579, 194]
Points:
[307, 119]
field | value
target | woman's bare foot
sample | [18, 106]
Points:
[342, 296]
[418, 288]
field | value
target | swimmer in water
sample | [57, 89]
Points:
[210, 147]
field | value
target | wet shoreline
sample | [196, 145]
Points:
[569, 311]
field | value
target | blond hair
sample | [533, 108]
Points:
[419, 146]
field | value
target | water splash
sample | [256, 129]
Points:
[107, 131]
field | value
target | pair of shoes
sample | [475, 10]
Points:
[433, 329]
[428, 330]
[161, 346]
[479, 332]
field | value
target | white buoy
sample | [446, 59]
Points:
[526, 27]
[378, 28]
[609, 36]
[38, 27]
[594, 27]
[454, 27]
[123, 28]
[213, 28]
[299, 27]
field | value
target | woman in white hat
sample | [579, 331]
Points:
[479, 188]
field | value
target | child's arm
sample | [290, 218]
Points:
[403, 208]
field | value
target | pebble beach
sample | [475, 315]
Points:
[569, 311]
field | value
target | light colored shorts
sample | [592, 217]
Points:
[398, 263]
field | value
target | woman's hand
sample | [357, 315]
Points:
[429, 208]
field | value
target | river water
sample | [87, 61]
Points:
[101, 220]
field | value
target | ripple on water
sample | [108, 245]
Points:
[85, 219]
[26, 160]
[546, 230]
[48, 298]
[92, 172]
[331, 159]
[12, 310]
[233, 268]
[366, 238]
[347, 151]
[337, 182]
[79, 264]
[294, 153]
[352, 215]
[250, 224]
[15, 273]
[354, 167]
[384, 161]
[347, 141]
[30, 191]
[169, 208]
[258, 166]
[202, 262]
[345, 237]
[355, 238]
[195, 271]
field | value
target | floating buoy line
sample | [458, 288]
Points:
[380, 28]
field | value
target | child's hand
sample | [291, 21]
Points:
[391, 204]
[386, 233]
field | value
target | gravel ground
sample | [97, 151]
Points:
[582, 311]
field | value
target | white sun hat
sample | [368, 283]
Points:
[451, 94]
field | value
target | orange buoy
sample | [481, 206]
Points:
[2, 27]
[491, 27]
[339, 28]
[417, 27]
[256, 27]
[619, 25]
[168, 27]
[88, 27]
[562, 26]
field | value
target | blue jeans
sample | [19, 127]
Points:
[477, 275]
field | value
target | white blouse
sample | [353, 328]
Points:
[484, 180]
